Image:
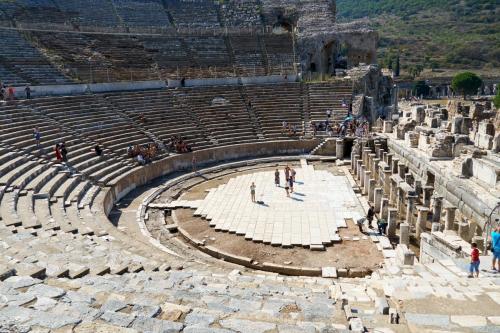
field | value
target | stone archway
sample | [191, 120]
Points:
[328, 57]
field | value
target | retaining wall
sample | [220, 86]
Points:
[80, 89]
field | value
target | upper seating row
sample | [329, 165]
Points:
[135, 13]
[104, 58]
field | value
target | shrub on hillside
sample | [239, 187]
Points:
[466, 83]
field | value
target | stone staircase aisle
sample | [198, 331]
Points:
[257, 127]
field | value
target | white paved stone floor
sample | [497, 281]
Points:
[310, 217]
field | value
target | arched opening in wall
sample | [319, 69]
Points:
[328, 55]
[341, 58]
[283, 25]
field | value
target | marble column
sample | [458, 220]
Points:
[408, 179]
[392, 222]
[399, 201]
[404, 234]
[449, 223]
[387, 182]
[372, 183]
[339, 149]
[366, 151]
[421, 220]
[362, 176]
[390, 157]
[394, 193]
[377, 199]
[353, 161]
[410, 206]
[401, 170]
[368, 176]
[437, 208]
[375, 169]
[359, 163]
[418, 187]
[427, 194]
[371, 157]
[378, 148]
[384, 208]
[394, 165]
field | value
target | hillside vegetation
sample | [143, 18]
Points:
[432, 35]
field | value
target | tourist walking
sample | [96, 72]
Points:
[193, 163]
[382, 226]
[495, 247]
[360, 223]
[277, 178]
[474, 261]
[27, 90]
[287, 173]
[369, 216]
[3, 93]
[252, 192]
[98, 150]
[37, 135]
[10, 93]
[64, 152]
[57, 151]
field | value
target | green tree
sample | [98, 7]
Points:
[397, 70]
[466, 83]
[496, 100]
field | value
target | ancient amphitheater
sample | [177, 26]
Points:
[98, 242]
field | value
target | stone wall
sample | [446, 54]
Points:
[438, 246]
[451, 188]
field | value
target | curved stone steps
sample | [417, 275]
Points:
[107, 177]
[110, 171]
[67, 186]
[40, 180]
[9, 177]
[41, 208]
[94, 165]
[25, 211]
[53, 184]
[12, 163]
[73, 216]
[7, 155]
[8, 209]
[21, 181]
[76, 193]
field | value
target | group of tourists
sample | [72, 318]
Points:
[143, 154]
[7, 93]
[290, 175]
[289, 129]
[348, 127]
[178, 145]
[61, 152]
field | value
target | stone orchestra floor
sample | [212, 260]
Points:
[310, 217]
